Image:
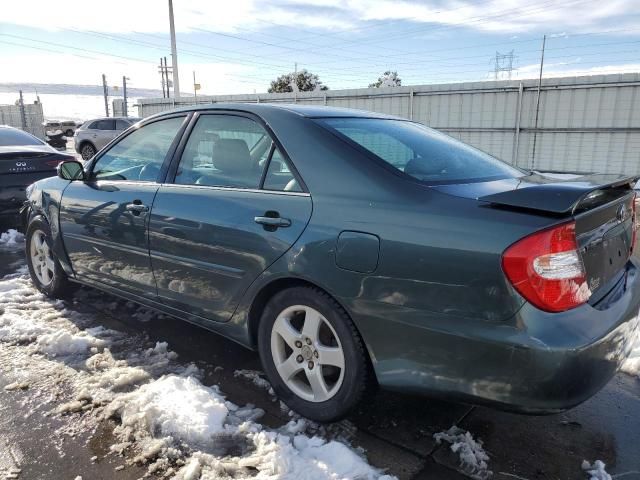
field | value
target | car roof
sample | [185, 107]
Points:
[311, 111]
[113, 118]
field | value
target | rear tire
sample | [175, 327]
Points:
[87, 151]
[312, 354]
[46, 272]
[68, 133]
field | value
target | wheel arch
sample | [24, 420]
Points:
[267, 291]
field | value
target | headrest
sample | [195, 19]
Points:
[231, 155]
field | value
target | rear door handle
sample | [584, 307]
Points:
[136, 207]
[274, 222]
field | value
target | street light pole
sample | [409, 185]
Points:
[174, 53]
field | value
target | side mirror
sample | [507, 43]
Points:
[71, 170]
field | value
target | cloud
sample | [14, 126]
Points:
[512, 16]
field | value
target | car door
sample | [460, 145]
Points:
[223, 220]
[104, 219]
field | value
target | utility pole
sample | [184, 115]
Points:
[125, 108]
[166, 77]
[195, 88]
[161, 72]
[23, 114]
[535, 125]
[174, 53]
[105, 92]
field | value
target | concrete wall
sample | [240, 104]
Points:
[584, 123]
[32, 121]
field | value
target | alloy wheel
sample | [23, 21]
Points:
[42, 258]
[307, 353]
[87, 152]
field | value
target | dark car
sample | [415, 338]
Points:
[23, 160]
[350, 249]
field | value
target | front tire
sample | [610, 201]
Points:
[312, 354]
[46, 272]
[87, 151]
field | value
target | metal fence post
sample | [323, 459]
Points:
[411, 104]
[516, 133]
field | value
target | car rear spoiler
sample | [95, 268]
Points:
[557, 194]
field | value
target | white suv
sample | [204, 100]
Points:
[95, 134]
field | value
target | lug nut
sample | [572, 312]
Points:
[310, 365]
[315, 353]
[299, 358]
[298, 344]
[308, 341]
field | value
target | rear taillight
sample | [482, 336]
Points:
[54, 163]
[547, 270]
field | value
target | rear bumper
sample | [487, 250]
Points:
[539, 363]
[13, 195]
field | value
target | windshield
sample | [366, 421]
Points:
[10, 137]
[421, 152]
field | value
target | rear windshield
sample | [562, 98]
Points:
[10, 137]
[421, 152]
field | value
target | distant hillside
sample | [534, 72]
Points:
[63, 89]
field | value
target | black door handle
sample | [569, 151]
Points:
[273, 221]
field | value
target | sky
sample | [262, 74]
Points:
[239, 46]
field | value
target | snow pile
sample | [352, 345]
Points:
[632, 364]
[595, 471]
[63, 342]
[11, 238]
[174, 406]
[168, 419]
[473, 459]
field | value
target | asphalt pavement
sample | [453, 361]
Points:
[396, 431]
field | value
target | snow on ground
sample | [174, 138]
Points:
[167, 419]
[11, 238]
[473, 459]
[632, 364]
[595, 471]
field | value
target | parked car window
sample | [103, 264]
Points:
[279, 177]
[11, 136]
[122, 124]
[139, 155]
[102, 125]
[421, 152]
[223, 151]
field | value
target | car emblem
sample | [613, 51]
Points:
[21, 164]
[621, 214]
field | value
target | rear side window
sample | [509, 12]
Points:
[421, 152]
[102, 125]
[10, 137]
[122, 124]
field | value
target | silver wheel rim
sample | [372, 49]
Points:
[41, 258]
[87, 152]
[307, 353]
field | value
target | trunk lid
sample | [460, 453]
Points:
[601, 205]
[30, 159]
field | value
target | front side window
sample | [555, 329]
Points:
[224, 151]
[139, 155]
[421, 152]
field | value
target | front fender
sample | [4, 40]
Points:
[43, 200]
